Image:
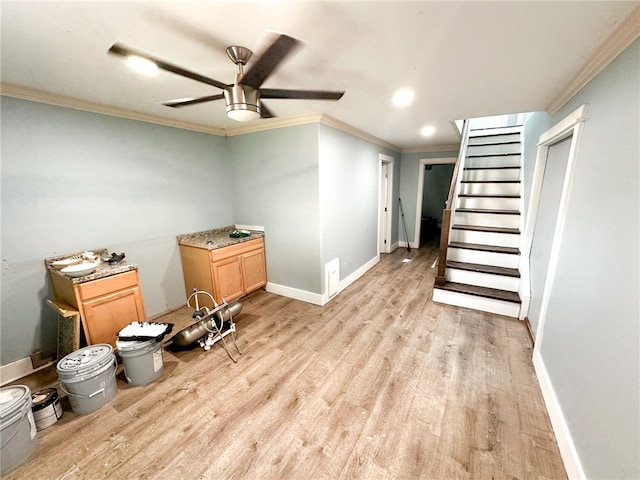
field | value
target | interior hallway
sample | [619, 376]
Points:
[380, 383]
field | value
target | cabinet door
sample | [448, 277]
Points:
[227, 279]
[105, 316]
[253, 270]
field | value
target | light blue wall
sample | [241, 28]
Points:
[276, 185]
[409, 174]
[590, 342]
[73, 181]
[536, 124]
[349, 203]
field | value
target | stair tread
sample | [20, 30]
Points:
[510, 142]
[492, 269]
[481, 228]
[502, 167]
[485, 248]
[484, 195]
[490, 181]
[488, 210]
[478, 155]
[494, 293]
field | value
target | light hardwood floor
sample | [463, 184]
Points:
[379, 383]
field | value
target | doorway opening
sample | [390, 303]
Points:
[434, 180]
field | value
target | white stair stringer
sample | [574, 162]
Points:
[483, 256]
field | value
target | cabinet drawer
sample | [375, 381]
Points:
[235, 250]
[107, 285]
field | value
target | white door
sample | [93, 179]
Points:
[385, 215]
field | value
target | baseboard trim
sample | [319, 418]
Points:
[20, 368]
[563, 435]
[295, 293]
[316, 298]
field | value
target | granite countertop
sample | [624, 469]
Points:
[216, 238]
[102, 270]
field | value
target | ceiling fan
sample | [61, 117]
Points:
[244, 97]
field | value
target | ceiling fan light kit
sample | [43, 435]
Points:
[243, 98]
[243, 103]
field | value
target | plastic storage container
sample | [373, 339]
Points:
[88, 376]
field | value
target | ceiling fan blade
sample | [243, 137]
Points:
[265, 112]
[117, 49]
[193, 101]
[282, 46]
[300, 94]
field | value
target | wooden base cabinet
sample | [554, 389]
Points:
[106, 305]
[227, 272]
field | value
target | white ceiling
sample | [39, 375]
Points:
[463, 59]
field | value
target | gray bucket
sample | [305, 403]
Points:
[88, 377]
[142, 360]
[17, 427]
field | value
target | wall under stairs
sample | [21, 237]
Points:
[483, 251]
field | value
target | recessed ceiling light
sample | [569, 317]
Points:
[142, 65]
[402, 97]
[427, 131]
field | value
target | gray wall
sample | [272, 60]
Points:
[409, 172]
[349, 185]
[276, 185]
[590, 342]
[73, 181]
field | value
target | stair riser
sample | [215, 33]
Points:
[476, 303]
[495, 161]
[485, 238]
[490, 188]
[486, 219]
[493, 149]
[489, 203]
[511, 174]
[477, 140]
[500, 282]
[483, 258]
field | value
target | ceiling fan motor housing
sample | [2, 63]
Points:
[242, 97]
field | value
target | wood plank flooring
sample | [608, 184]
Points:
[379, 383]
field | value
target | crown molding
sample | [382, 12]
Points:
[31, 94]
[345, 127]
[273, 123]
[25, 93]
[621, 38]
[433, 149]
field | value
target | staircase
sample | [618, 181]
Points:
[482, 255]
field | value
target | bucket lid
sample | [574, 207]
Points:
[86, 360]
[129, 346]
[12, 399]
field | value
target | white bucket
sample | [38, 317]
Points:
[88, 377]
[142, 360]
[17, 427]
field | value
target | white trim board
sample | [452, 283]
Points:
[568, 452]
[19, 369]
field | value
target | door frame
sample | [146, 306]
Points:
[571, 126]
[420, 195]
[385, 203]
